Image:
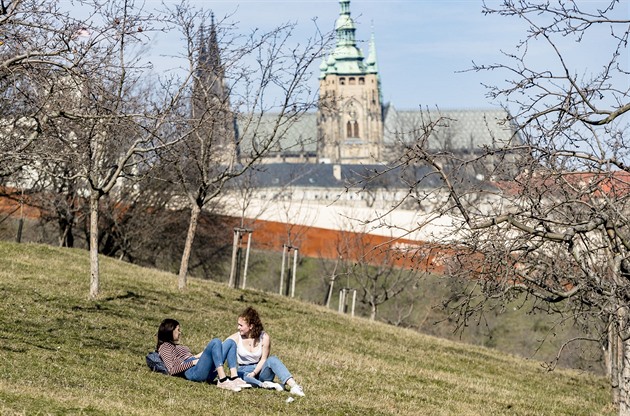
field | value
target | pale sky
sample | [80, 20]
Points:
[421, 44]
[424, 47]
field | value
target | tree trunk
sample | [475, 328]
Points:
[611, 355]
[620, 356]
[234, 255]
[373, 311]
[329, 293]
[190, 237]
[624, 381]
[94, 271]
[66, 239]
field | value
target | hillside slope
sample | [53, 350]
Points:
[63, 354]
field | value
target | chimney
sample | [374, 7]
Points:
[337, 171]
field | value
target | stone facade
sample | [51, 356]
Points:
[350, 121]
[350, 113]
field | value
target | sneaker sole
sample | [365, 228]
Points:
[235, 389]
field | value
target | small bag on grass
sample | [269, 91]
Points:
[155, 363]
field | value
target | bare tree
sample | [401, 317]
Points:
[22, 48]
[256, 82]
[559, 231]
[53, 183]
[380, 270]
[83, 94]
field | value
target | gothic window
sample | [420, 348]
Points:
[352, 81]
[352, 125]
[342, 81]
[361, 81]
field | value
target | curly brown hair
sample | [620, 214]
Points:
[251, 317]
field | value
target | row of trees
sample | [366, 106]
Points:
[559, 233]
[85, 117]
[98, 141]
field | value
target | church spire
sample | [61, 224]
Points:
[346, 58]
[345, 26]
[210, 107]
[210, 56]
[372, 66]
[210, 72]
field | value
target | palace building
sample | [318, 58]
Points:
[341, 161]
[353, 126]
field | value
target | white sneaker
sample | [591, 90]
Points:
[239, 382]
[271, 386]
[228, 385]
[297, 390]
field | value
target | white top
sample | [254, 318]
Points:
[246, 357]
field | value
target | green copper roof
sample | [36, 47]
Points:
[347, 58]
[323, 66]
[372, 67]
[344, 22]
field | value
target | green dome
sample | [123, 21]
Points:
[344, 22]
[347, 58]
[323, 66]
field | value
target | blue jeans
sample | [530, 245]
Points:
[271, 368]
[210, 360]
[229, 353]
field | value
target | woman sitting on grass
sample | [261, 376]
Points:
[204, 366]
[255, 365]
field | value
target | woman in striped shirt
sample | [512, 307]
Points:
[204, 366]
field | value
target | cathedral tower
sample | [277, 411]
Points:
[211, 108]
[350, 117]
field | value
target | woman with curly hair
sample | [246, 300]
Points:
[255, 365]
[205, 366]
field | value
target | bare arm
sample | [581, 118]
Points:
[266, 348]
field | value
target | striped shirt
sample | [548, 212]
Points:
[174, 356]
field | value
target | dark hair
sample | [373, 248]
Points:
[165, 332]
[250, 315]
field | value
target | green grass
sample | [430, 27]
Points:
[516, 328]
[64, 355]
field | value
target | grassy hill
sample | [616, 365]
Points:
[64, 355]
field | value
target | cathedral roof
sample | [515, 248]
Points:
[294, 136]
[455, 130]
[458, 130]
